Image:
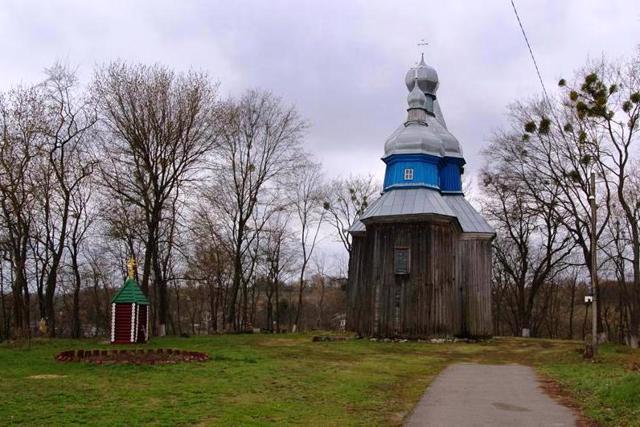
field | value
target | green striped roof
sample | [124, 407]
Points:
[130, 293]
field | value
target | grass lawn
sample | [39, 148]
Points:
[287, 379]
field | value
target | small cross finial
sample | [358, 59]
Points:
[131, 267]
[422, 43]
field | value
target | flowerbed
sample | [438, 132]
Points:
[141, 356]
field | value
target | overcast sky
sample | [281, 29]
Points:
[342, 63]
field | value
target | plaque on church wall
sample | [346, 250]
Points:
[401, 260]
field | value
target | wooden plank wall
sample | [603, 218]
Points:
[423, 303]
[474, 271]
[357, 299]
[446, 293]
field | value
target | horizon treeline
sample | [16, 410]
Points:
[223, 208]
[216, 199]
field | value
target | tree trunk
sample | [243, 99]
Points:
[237, 277]
[161, 286]
[178, 314]
[52, 275]
[584, 322]
[213, 309]
[276, 291]
[76, 329]
[20, 301]
[571, 309]
[6, 332]
[296, 324]
[321, 306]
[602, 334]
[245, 305]
[269, 325]
[634, 321]
[146, 268]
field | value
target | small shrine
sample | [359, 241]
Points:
[130, 312]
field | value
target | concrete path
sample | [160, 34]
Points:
[488, 395]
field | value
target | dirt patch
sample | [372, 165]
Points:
[279, 342]
[324, 338]
[46, 376]
[559, 393]
[633, 366]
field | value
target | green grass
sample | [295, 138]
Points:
[287, 379]
[608, 391]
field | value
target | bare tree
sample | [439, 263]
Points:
[278, 257]
[346, 199]
[210, 259]
[259, 147]
[321, 277]
[158, 128]
[552, 148]
[68, 121]
[21, 113]
[531, 247]
[81, 220]
[554, 162]
[307, 198]
[606, 102]
[5, 324]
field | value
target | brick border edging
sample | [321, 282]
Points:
[138, 357]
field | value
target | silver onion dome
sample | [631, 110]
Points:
[422, 133]
[416, 98]
[414, 138]
[429, 137]
[426, 76]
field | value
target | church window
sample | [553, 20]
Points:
[408, 174]
[401, 260]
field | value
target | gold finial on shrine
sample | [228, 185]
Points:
[132, 267]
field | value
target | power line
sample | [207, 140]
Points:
[533, 58]
[535, 64]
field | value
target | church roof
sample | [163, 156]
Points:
[469, 218]
[434, 139]
[130, 293]
[411, 201]
[424, 165]
[423, 201]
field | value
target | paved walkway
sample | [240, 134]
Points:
[469, 394]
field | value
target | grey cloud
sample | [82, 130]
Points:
[342, 63]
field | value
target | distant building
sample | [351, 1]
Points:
[421, 258]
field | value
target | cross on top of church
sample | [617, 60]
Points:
[131, 267]
[421, 43]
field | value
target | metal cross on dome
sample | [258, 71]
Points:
[423, 42]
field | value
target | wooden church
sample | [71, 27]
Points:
[420, 263]
[129, 312]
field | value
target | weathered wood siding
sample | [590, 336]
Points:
[424, 302]
[358, 293]
[474, 271]
[447, 291]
